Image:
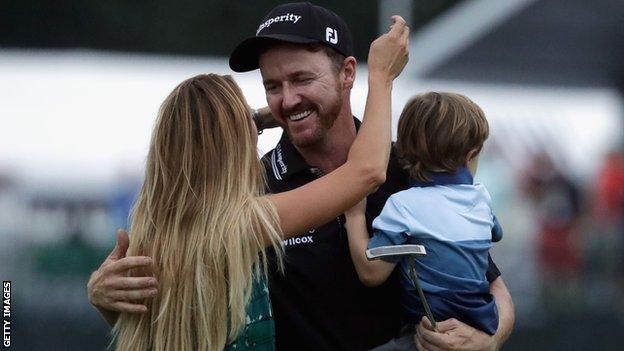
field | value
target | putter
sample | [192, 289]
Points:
[409, 252]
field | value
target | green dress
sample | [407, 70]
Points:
[259, 331]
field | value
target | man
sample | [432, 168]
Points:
[304, 53]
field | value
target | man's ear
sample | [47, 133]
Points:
[348, 71]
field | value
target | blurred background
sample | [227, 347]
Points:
[81, 83]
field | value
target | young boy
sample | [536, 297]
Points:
[440, 136]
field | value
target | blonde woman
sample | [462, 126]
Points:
[202, 217]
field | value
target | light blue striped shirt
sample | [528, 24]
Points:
[453, 219]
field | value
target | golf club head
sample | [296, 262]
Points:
[395, 251]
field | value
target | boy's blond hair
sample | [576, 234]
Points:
[436, 132]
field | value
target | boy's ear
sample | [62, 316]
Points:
[472, 154]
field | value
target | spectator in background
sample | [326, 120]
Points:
[605, 244]
[557, 201]
[609, 202]
[122, 198]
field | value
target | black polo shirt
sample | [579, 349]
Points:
[319, 302]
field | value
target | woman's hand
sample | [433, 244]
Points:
[388, 54]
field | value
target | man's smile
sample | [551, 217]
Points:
[299, 116]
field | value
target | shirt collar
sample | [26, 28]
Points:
[286, 160]
[461, 176]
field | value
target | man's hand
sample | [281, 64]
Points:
[452, 335]
[265, 120]
[111, 290]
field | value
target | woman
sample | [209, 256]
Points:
[202, 216]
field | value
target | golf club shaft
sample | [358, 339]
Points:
[421, 293]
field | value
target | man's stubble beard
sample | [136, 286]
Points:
[326, 118]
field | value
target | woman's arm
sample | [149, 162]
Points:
[371, 273]
[317, 202]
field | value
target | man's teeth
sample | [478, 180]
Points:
[299, 116]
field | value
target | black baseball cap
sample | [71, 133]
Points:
[300, 23]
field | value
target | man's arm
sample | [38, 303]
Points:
[264, 119]
[110, 289]
[455, 335]
[506, 310]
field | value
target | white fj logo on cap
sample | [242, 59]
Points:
[331, 35]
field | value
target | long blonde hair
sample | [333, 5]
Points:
[201, 217]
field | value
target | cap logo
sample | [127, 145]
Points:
[289, 17]
[331, 35]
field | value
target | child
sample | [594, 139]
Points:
[440, 136]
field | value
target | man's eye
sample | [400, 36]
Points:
[303, 80]
[270, 88]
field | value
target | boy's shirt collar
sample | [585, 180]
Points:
[461, 176]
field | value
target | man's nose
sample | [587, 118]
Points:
[290, 98]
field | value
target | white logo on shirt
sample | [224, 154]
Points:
[299, 240]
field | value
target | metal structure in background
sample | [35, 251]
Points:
[569, 43]
[457, 29]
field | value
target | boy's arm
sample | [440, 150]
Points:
[371, 273]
